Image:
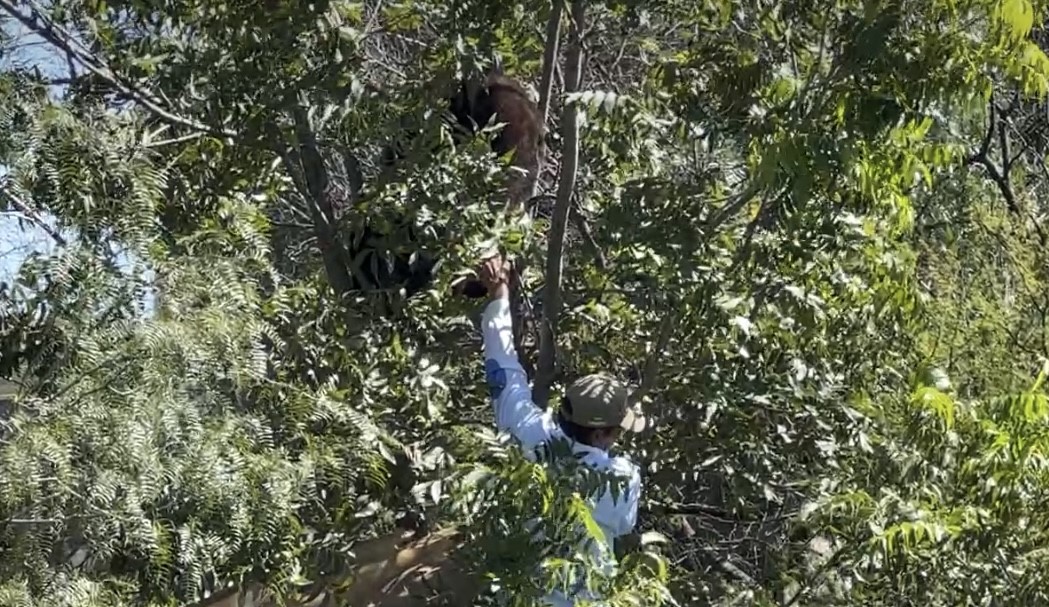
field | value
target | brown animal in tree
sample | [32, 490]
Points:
[506, 101]
[500, 99]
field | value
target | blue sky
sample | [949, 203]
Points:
[19, 237]
[17, 241]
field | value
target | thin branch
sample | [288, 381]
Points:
[522, 312]
[31, 215]
[985, 145]
[580, 222]
[555, 252]
[670, 508]
[1003, 141]
[620, 53]
[290, 226]
[1027, 145]
[982, 158]
[730, 209]
[998, 122]
[354, 177]
[553, 35]
[763, 219]
[814, 577]
[173, 141]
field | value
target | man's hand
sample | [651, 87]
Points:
[495, 274]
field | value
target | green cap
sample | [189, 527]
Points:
[600, 401]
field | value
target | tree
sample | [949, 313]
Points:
[788, 223]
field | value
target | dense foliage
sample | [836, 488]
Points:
[811, 232]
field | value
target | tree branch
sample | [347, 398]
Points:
[522, 313]
[151, 143]
[306, 165]
[982, 157]
[41, 25]
[354, 177]
[730, 209]
[553, 35]
[579, 221]
[31, 215]
[547, 364]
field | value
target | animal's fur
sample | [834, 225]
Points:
[523, 135]
[474, 105]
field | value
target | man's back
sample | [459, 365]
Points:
[614, 503]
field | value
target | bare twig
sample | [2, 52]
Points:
[812, 579]
[1003, 141]
[354, 177]
[173, 141]
[763, 219]
[581, 223]
[553, 35]
[569, 166]
[998, 123]
[661, 508]
[730, 209]
[31, 215]
[522, 313]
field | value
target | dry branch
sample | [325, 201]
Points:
[306, 166]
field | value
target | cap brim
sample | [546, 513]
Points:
[633, 421]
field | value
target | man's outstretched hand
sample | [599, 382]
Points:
[495, 274]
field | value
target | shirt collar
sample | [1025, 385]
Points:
[579, 447]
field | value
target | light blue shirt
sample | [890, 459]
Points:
[516, 414]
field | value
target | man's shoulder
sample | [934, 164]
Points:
[621, 465]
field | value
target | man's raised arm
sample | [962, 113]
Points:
[506, 378]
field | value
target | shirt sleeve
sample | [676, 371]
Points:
[508, 383]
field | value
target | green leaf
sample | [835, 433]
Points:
[1017, 16]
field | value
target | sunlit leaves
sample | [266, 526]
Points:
[606, 101]
[1016, 17]
[1032, 70]
[937, 402]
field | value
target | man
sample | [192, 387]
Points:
[594, 412]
